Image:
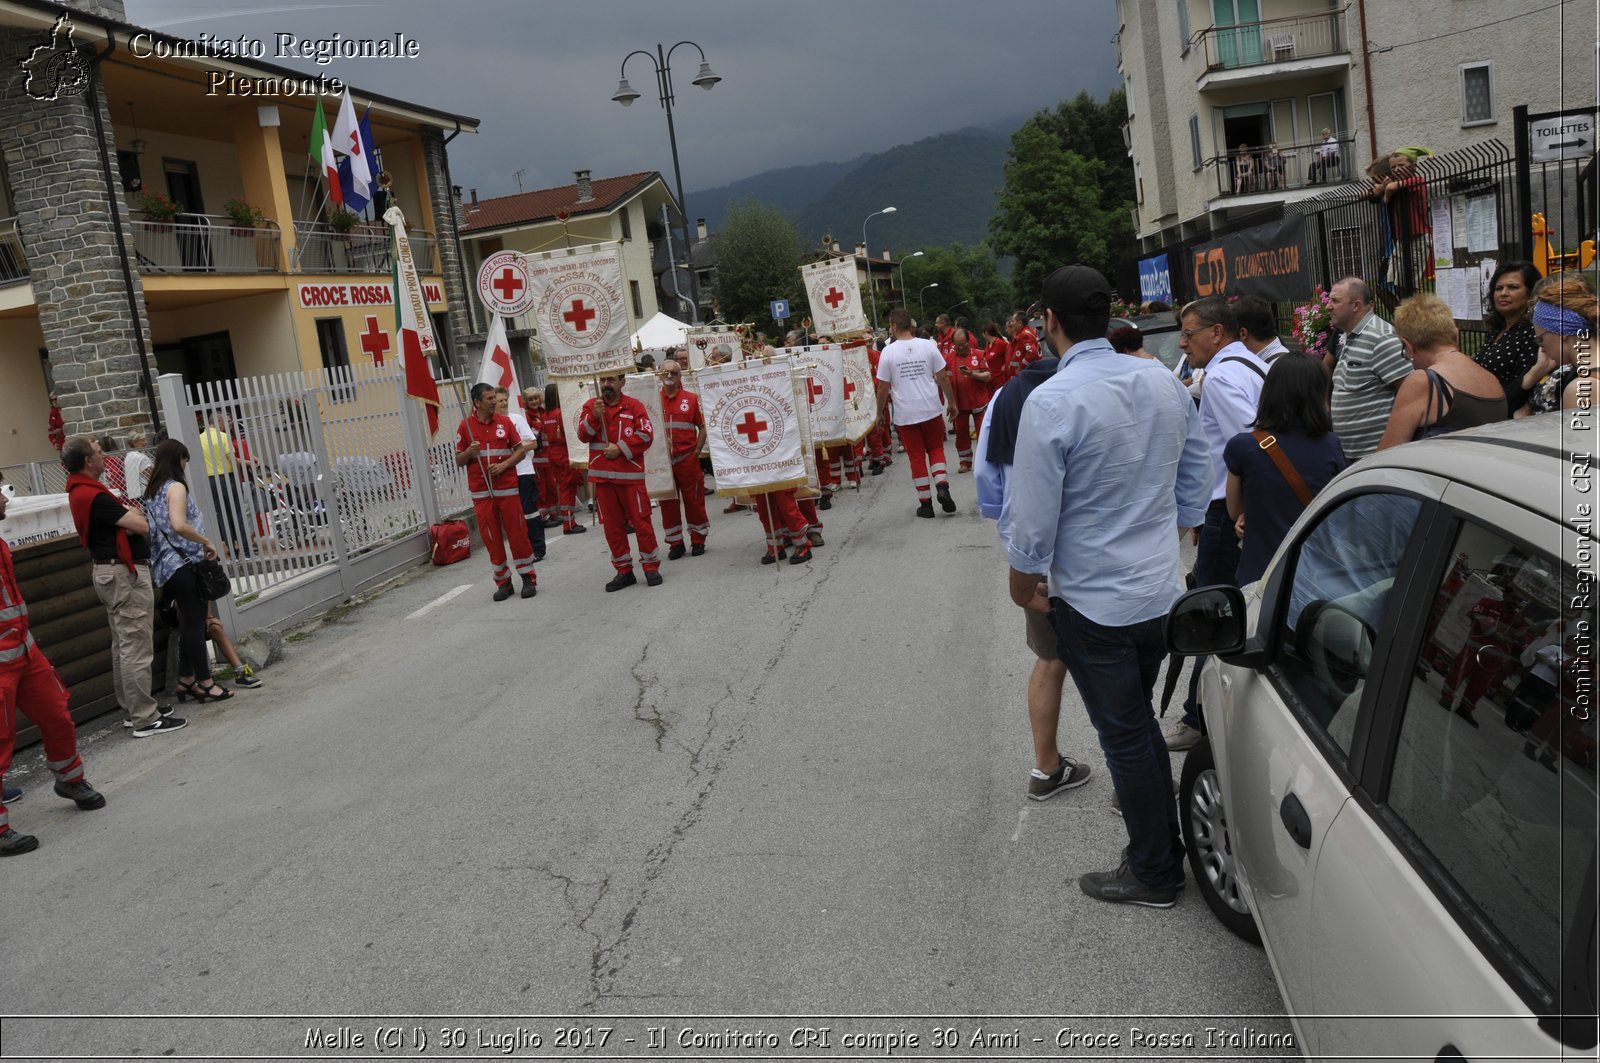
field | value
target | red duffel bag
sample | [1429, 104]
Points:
[451, 541]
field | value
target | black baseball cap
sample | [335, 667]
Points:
[1077, 291]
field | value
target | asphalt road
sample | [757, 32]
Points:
[753, 791]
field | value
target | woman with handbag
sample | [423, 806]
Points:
[1275, 470]
[179, 552]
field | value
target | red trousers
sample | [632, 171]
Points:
[691, 484]
[781, 519]
[499, 521]
[924, 443]
[878, 447]
[564, 502]
[827, 477]
[624, 502]
[36, 691]
[548, 501]
[846, 464]
[968, 423]
[808, 510]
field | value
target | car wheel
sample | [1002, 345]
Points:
[1205, 835]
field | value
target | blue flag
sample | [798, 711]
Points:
[353, 198]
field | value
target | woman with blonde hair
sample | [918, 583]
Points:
[1564, 313]
[1448, 391]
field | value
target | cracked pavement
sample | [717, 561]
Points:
[754, 789]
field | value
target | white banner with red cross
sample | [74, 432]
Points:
[822, 384]
[753, 427]
[835, 295]
[860, 396]
[582, 316]
[573, 394]
[658, 482]
[717, 346]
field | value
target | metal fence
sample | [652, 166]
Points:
[1278, 40]
[333, 487]
[13, 259]
[205, 243]
[319, 248]
[1280, 167]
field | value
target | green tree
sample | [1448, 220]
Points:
[1067, 193]
[758, 260]
[969, 283]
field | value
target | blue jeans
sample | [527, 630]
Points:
[1215, 561]
[528, 493]
[1115, 669]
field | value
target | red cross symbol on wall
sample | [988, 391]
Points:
[508, 284]
[849, 389]
[813, 389]
[579, 316]
[834, 297]
[750, 427]
[375, 341]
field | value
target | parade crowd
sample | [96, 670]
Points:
[1094, 459]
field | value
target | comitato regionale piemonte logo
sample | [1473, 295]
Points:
[55, 69]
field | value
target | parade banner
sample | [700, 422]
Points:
[822, 380]
[835, 297]
[574, 393]
[754, 427]
[578, 302]
[860, 395]
[1155, 280]
[808, 431]
[705, 344]
[1266, 260]
[658, 482]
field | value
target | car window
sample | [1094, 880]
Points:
[1343, 570]
[1494, 771]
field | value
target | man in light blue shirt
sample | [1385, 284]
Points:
[1111, 466]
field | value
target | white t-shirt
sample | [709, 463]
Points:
[136, 472]
[908, 367]
[520, 421]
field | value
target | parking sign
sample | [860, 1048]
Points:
[780, 309]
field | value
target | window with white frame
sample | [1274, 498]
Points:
[1477, 93]
[1194, 141]
[1183, 23]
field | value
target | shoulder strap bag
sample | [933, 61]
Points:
[1269, 443]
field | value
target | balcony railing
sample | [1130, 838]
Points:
[1278, 40]
[204, 243]
[1264, 170]
[364, 249]
[13, 263]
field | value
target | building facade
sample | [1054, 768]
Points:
[1239, 106]
[155, 217]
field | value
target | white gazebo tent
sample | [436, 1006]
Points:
[660, 333]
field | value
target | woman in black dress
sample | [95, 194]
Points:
[1512, 348]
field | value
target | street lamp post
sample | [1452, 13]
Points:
[922, 306]
[872, 292]
[626, 94]
[964, 302]
[914, 254]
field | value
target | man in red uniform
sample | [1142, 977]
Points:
[920, 387]
[29, 685]
[544, 482]
[488, 444]
[944, 337]
[563, 476]
[785, 524]
[1024, 344]
[618, 430]
[971, 379]
[686, 434]
[998, 351]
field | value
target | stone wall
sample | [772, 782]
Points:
[54, 167]
[456, 285]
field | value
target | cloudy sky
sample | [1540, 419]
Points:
[803, 80]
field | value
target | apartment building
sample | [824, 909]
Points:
[1239, 106]
[155, 217]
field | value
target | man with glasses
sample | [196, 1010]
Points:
[686, 435]
[618, 430]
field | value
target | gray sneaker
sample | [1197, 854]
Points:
[1068, 776]
[1182, 736]
[1120, 887]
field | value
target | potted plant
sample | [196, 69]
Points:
[243, 215]
[341, 221]
[158, 208]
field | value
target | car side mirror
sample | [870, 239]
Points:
[1207, 620]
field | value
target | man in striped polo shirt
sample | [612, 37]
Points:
[489, 446]
[1367, 369]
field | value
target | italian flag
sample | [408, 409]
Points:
[412, 327]
[321, 152]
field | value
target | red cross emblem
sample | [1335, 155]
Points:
[813, 389]
[750, 427]
[849, 388]
[508, 284]
[375, 341]
[834, 297]
[579, 316]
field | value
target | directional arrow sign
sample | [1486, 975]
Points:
[1567, 137]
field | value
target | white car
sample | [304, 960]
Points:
[1397, 793]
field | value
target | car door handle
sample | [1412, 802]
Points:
[1295, 819]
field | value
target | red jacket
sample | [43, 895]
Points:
[684, 420]
[1024, 349]
[999, 353]
[627, 424]
[971, 394]
[15, 640]
[497, 439]
[555, 438]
